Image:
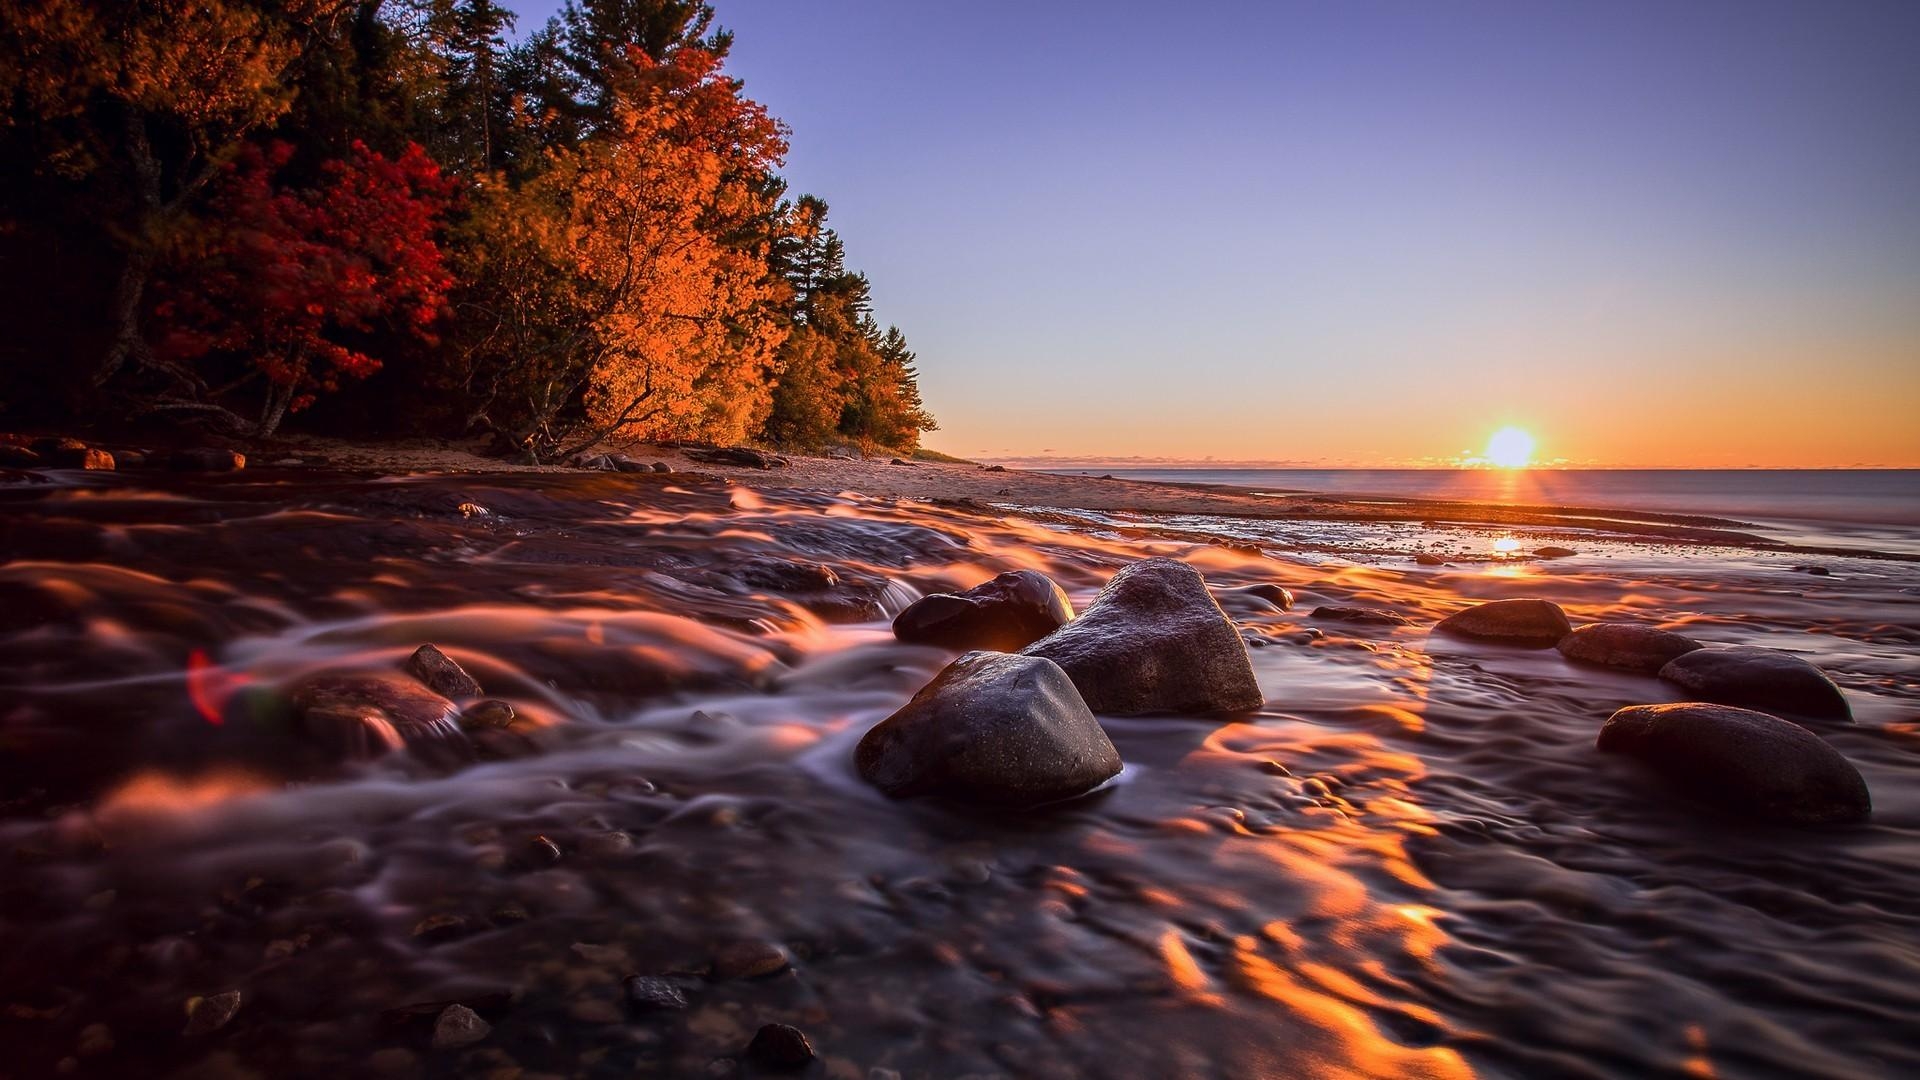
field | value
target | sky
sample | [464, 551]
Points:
[1372, 234]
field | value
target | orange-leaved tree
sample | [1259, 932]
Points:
[618, 292]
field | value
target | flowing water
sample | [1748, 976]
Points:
[1410, 862]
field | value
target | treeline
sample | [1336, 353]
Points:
[386, 216]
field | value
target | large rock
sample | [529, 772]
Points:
[1006, 614]
[737, 455]
[1625, 645]
[1742, 760]
[991, 727]
[1765, 679]
[365, 716]
[1154, 640]
[1517, 622]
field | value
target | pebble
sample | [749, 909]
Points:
[749, 960]
[459, 1026]
[649, 992]
[206, 1015]
[780, 1046]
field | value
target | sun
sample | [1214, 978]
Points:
[1510, 448]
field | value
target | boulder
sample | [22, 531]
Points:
[1006, 614]
[1154, 640]
[1744, 761]
[1517, 622]
[991, 728]
[73, 454]
[1364, 615]
[441, 674]
[1766, 679]
[1625, 645]
[365, 716]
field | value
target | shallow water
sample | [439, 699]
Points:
[1410, 862]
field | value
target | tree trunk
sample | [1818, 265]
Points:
[128, 341]
[274, 409]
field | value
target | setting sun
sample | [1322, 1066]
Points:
[1510, 448]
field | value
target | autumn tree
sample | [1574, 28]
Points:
[284, 283]
[606, 298]
[139, 103]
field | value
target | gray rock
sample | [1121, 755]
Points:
[1008, 613]
[1741, 760]
[737, 455]
[649, 993]
[459, 1026]
[1154, 640]
[1766, 679]
[442, 674]
[992, 728]
[1625, 645]
[1517, 622]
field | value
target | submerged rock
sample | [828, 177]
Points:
[1766, 679]
[1625, 645]
[749, 960]
[363, 716]
[1154, 640]
[442, 674]
[206, 1015]
[459, 1026]
[1008, 613]
[648, 993]
[1517, 622]
[1364, 615]
[1551, 552]
[1264, 596]
[780, 1046]
[992, 728]
[1742, 760]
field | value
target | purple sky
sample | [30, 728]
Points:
[1372, 233]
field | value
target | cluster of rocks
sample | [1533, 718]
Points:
[52, 452]
[1012, 722]
[433, 710]
[619, 463]
[1747, 744]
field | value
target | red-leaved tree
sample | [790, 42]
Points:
[286, 285]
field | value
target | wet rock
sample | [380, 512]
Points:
[1365, 616]
[737, 455]
[1008, 613]
[1264, 596]
[489, 715]
[1625, 645]
[130, 459]
[442, 674]
[625, 464]
[1551, 552]
[206, 459]
[1517, 622]
[594, 462]
[1766, 679]
[662, 467]
[538, 852]
[1816, 571]
[206, 1015]
[749, 960]
[779, 1046]
[19, 457]
[1744, 761]
[364, 716]
[459, 1026]
[650, 993]
[72, 454]
[438, 928]
[783, 575]
[1428, 558]
[1154, 640]
[992, 728]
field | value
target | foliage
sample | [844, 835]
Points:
[606, 224]
[288, 282]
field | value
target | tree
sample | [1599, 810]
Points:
[145, 100]
[607, 299]
[288, 281]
